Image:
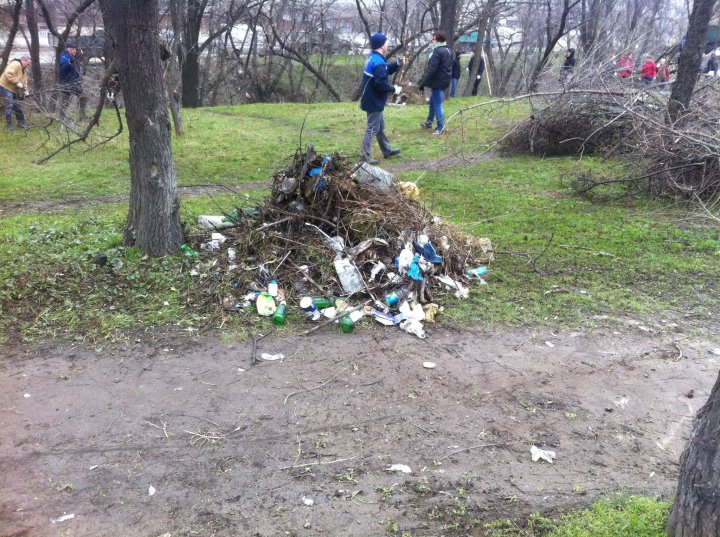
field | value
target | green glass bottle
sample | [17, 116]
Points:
[279, 316]
[346, 324]
[189, 251]
[322, 302]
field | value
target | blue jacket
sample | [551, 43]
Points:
[375, 87]
[69, 69]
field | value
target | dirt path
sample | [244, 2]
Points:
[89, 433]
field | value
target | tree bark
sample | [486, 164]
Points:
[11, 35]
[696, 510]
[448, 20]
[690, 58]
[487, 12]
[31, 20]
[153, 223]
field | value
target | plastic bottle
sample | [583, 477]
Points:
[477, 272]
[279, 316]
[346, 324]
[273, 288]
[310, 309]
[395, 298]
[189, 251]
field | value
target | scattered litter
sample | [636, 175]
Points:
[206, 221]
[621, 402]
[266, 357]
[409, 190]
[26, 395]
[94, 466]
[715, 351]
[431, 310]
[477, 272]
[374, 176]
[652, 474]
[308, 501]
[550, 344]
[404, 468]
[429, 365]
[151, 490]
[349, 275]
[543, 454]
[240, 370]
[265, 304]
[63, 518]
[414, 327]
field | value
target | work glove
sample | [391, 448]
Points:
[398, 90]
[478, 77]
[422, 88]
[20, 86]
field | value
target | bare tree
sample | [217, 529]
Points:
[153, 223]
[17, 6]
[696, 510]
[690, 58]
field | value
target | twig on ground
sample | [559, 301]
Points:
[318, 463]
[288, 396]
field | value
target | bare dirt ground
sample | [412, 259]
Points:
[303, 447]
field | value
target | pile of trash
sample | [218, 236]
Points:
[337, 241]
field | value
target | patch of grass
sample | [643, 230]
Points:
[620, 516]
[568, 261]
[222, 145]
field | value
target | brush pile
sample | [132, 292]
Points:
[332, 229]
[678, 160]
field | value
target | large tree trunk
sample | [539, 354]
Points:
[487, 12]
[153, 223]
[448, 20]
[696, 510]
[690, 58]
[32, 26]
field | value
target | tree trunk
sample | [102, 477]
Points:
[696, 510]
[31, 20]
[11, 35]
[482, 28]
[448, 20]
[191, 79]
[153, 223]
[690, 58]
[175, 68]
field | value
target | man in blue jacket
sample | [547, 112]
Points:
[69, 79]
[374, 91]
[437, 77]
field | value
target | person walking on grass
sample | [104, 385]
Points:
[13, 88]
[69, 72]
[456, 70]
[374, 91]
[437, 77]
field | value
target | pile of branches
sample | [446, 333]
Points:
[679, 160]
[317, 212]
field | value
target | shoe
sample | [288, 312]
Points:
[10, 127]
[24, 126]
[437, 132]
[426, 125]
[370, 161]
[392, 153]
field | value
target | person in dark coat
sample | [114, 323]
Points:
[478, 77]
[437, 76]
[374, 90]
[568, 65]
[69, 79]
[455, 74]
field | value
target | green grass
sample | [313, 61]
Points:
[661, 262]
[222, 145]
[620, 516]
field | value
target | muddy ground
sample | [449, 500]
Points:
[303, 447]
